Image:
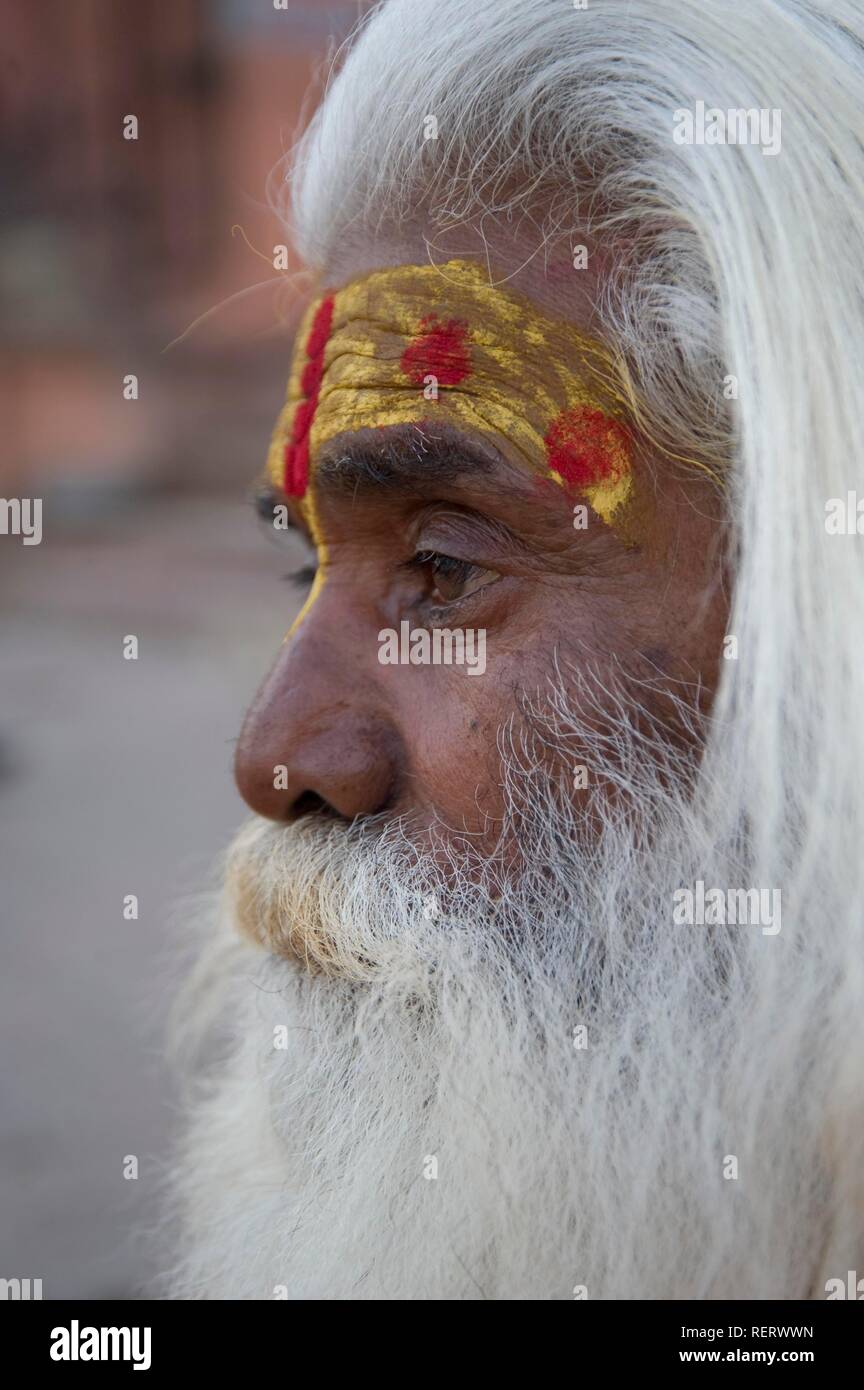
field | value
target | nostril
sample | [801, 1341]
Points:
[310, 804]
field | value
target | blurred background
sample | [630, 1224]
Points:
[115, 775]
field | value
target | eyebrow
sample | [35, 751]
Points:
[400, 460]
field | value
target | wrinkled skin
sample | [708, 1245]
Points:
[360, 738]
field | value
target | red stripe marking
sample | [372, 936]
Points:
[297, 448]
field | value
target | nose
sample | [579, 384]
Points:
[314, 738]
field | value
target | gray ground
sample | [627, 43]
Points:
[115, 778]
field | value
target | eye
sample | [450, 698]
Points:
[450, 579]
[303, 577]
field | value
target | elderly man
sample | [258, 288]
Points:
[540, 962]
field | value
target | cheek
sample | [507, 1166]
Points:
[678, 637]
[450, 725]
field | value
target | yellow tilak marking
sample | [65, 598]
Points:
[311, 516]
[526, 371]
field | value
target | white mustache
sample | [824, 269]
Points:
[329, 896]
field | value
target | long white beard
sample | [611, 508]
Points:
[418, 1115]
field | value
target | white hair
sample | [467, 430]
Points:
[723, 262]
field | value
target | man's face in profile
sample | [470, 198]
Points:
[428, 527]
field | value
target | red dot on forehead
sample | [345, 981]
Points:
[586, 447]
[440, 350]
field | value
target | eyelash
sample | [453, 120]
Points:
[303, 577]
[438, 563]
[449, 567]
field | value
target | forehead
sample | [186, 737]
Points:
[439, 348]
[559, 277]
